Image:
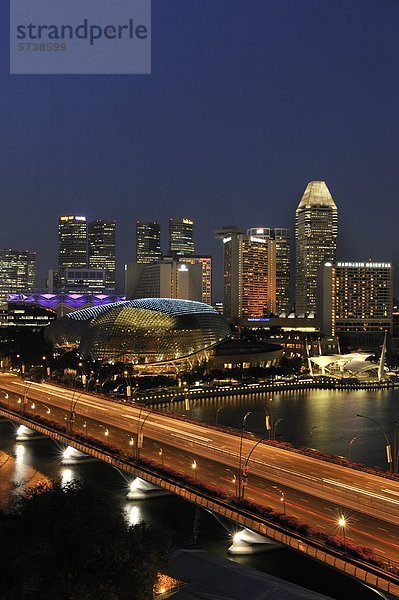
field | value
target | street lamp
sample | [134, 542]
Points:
[25, 399]
[269, 418]
[140, 430]
[388, 443]
[353, 440]
[217, 414]
[86, 428]
[275, 427]
[245, 469]
[342, 524]
[194, 468]
[160, 453]
[282, 499]
[240, 454]
[72, 413]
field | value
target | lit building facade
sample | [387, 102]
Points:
[249, 276]
[206, 267]
[148, 242]
[168, 278]
[101, 249]
[17, 272]
[72, 245]
[145, 332]
[85, 281]
[316, 228]
[356, 301]
[181, 237]
[281, 240]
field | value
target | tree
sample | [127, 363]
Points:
[73, 543]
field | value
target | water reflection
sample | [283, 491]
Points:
[67, 476]
[133, 514]
[322, 419]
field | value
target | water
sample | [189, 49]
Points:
[322, 419]
[188, 526]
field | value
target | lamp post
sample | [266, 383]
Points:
[245, 469]
[387, 442]
[160, 453]
[194, 468]
[72, 413]
[131, 444]
[140, 431]
[217, 414]
[86, 428]
[240, 453]
[25, 398]
[282, 499]
[342, 524]
[353, 440]
[275, 428]
[269, 418]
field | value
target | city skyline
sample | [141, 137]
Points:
[190, 140]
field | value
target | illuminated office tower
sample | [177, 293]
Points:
[206, 265]
[181, 237]
[17, 272]
[72, 245]
[167, 278]
[355, 302]
[101, 249]
[282, 242]
[249, 275]
[148, 242]
[316, 227]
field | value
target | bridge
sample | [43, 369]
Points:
[197, 461]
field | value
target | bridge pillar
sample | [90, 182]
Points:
[250, 542]
[142, 490]
[72, 456]
[25, 434]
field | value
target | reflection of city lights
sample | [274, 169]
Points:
[66, 476]
[133, 515]
[19, 453]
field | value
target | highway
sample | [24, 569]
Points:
[315, 491]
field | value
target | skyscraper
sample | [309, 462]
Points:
[206, 265]
[17, 272]
[355, 302]
[101, 249]
[148, 242]
[72, 245]
[316, 227]
[168, 278]
[181, 237]
[249, 275]
[282, 243]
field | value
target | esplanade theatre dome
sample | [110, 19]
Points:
[144, 331]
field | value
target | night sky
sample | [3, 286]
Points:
[248, 101]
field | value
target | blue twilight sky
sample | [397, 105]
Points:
[248, 101]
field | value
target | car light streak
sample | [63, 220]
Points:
[360, 491]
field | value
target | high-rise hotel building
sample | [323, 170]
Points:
[72, 245]
[356, 302]
[101, 249]
[148, 242]
[17, 272]
[316, 227]
[249, 275]
[181, 237]
[281, 241]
